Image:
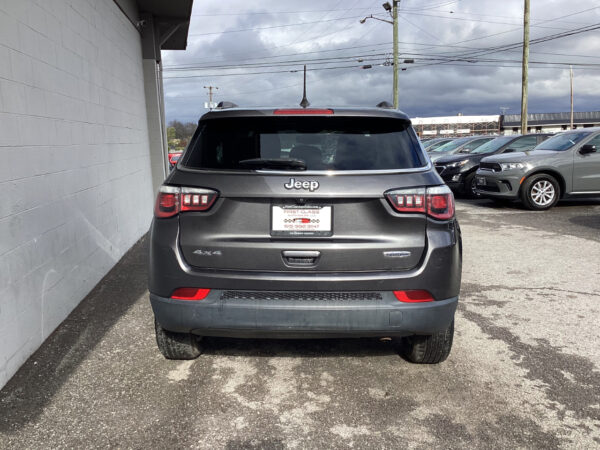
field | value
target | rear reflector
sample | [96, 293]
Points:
[437, 201]
[413, 296]
[301, 112]
[172, 200]
[190, 294]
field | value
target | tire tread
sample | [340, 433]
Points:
[431, 349]
[177, 345]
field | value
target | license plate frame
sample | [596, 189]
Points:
[302, 221]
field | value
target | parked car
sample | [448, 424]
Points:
[352, 235]
[565, 165]
[460, 145]
[434, 143]
[173, 158]
[458, 171]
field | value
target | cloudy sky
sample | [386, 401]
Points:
[253, 51]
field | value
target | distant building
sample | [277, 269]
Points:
[549, 122]
[456, 126]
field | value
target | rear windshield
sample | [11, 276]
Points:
[562, 142]
[322, 143]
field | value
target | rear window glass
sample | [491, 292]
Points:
[322, 143]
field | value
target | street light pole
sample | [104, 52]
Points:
[396, 65]
[393, 11]
[525, 68]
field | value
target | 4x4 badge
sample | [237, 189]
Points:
[297, 184]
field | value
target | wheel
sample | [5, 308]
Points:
[471, 187]
[431, 349]
[540, 192]
[177, 345]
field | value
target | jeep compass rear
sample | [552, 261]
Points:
[305, 223]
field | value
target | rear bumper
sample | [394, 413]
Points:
[291, 318]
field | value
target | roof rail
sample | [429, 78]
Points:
[385, 105]
[225, 105]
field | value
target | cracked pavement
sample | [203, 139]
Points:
[524, 370]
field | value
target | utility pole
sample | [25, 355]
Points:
[210, 95]
[396, 65]
[525, 75]
[393, 12]
[571, 71]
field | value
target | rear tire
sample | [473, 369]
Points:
[177, 345]
[431, 349]
[540, 192]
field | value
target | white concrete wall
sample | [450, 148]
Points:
[75, 178]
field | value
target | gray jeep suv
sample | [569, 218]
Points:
[566, 165]
[304, 223]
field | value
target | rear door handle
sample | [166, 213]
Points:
[301, 257]
[301, 254]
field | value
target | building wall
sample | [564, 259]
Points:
[75, 177]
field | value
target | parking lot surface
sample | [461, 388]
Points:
[524, 370]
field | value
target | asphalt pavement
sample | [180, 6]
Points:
[524, 370]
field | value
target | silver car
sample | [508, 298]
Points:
[566, 165]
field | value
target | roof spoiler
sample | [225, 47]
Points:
[226, 105]
[385, 105]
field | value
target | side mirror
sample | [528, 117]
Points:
[509, 150]
[587, 148]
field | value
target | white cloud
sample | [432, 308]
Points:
[427, 31]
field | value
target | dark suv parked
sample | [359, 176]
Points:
[458, 171]
[302, 223]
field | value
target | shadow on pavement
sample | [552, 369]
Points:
[517, 205]
[590, 221]
[38, 380]
[298, 348]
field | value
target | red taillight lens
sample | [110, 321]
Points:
[301, 112]
[440, 203]
[190, 294]
[437, 201]
[172, 200]
[167, 202]
[413, 296]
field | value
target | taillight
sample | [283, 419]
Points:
[440, 202]
[172, 200]
[437, 201]
[167, 202]
[190, 294]
[417, 296]
[408, 200]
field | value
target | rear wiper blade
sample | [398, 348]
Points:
[259, 163]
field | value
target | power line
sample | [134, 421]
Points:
[274, 26]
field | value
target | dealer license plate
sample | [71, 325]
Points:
[301, 220]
